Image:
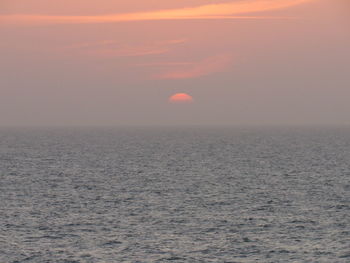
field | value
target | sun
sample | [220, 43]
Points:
[181, 98]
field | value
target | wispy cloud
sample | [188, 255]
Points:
[110, 48]
[172, 41]
[230, 10]
[164, 64]
[88, 45]
[195, 70]
[127, 51]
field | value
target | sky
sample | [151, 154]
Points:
[117, 62]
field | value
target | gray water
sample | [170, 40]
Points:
[175, 195]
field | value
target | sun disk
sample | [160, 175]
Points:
[181, 98]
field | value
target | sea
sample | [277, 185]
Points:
[175, 194]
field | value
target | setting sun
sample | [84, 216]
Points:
[181, 98]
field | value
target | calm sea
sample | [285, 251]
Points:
[175, 195]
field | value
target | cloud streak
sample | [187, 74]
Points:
[203, 68]
[110, 48]
[230, 10]
[128, 52]
[164, 64]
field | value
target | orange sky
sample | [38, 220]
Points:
[220, 10]
[117, 62]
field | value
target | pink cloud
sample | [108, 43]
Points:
[89, 45]
[165, 64]
[203, 68]
[110, 48]
[127, 52]
[226, 10]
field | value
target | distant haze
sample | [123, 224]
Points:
[271, 62]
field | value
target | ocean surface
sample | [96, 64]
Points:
[175, 195]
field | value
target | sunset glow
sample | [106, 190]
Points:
[174, 130]
[117, 62]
